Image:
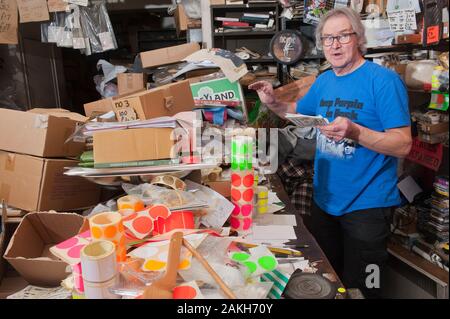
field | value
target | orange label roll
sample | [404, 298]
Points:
[130, 202]
[109, 226]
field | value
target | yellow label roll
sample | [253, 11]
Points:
[130, 202]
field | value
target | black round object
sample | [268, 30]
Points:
[309, 286]
[286, 47]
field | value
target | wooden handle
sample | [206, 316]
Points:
[211, 271]
[173, 259]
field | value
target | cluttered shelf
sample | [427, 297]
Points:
[422, 265]
[244, 6]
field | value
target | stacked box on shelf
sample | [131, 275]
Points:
[437, 225]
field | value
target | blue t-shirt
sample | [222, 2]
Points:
[348, 176]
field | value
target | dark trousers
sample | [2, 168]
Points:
[352, 242]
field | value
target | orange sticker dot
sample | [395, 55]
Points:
[120, 228]
[248, 180]
[143, 225]
[184, 264]
[96, 232]
[139, 206]
[125, 206]
[154, 265]
[184, 292]
[159, 211]
[122, 241]
[235, 195]
[248, 195]
[110, 231]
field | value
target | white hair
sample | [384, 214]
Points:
[355, 21]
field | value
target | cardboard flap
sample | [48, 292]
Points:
[61, 113]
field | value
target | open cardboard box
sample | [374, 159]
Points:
[28, 250]
[168, 55]
[166, 100]
[40, 132]
[35, 183]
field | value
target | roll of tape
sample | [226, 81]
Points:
[130, 202]
[94, 290]
[98, 261]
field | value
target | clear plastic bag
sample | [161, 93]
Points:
[97, 28]
[65, 36]
[52, 30]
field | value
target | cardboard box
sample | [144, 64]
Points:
[34, 183]
[408, 38]
[40, 132]
[130, 82]
[28, 251]
[133, 145]
[222, 187]
[433, 128]
[181, 20]
[166, 100]
[98, 107]
[168, 55]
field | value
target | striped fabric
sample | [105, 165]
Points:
[279, 279]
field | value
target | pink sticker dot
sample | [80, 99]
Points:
[74, 252]
[68, 243]
[234, 222]
[247, 223]
[236, 210]
[246, 210]
[86, 234]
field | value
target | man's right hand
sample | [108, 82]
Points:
[265, 92]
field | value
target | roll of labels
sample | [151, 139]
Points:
[99, 265]
[242, 183]
[109, 226]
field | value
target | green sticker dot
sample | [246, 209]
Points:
[267, 262]
[242, 166]
[251, 266]
[244, 149]
[240, 256]
[233, 148]
[234, 165]
[249, 165]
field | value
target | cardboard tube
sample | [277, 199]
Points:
[98, 261]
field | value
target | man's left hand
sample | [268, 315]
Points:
[340, 128]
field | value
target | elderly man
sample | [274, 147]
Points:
[367, 107]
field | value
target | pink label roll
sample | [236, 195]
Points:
[239, 224]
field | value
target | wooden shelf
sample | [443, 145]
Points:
[243, 33]
[422, 265]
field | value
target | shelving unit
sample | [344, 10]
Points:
[257, 41]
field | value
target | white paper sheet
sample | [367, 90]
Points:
[270, 219]
[276, 232]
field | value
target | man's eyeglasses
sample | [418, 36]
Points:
[342, 39]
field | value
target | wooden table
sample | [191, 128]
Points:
[313, 253]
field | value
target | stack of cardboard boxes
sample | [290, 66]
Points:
[33, 154]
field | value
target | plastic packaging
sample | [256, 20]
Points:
[97, 28]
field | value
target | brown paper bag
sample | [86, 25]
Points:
[8, 22]
[56, 5]
[33, 10]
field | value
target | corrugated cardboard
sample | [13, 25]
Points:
[168, 55]
[34, 183]
[222, 187]
[28, 251]
[181, 20]
[132, 145]
[166, 100]
[433, 128]
[39, 132]
[130, 82]
[99, 107]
